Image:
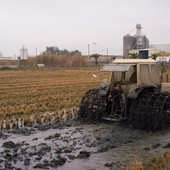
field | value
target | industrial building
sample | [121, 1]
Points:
[138, 41]
[139, 44]
[145, 53]
[9, 62]
[163, 59]
[161, 47]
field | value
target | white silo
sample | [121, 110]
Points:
[24, 53]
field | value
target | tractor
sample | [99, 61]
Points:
[135, 94]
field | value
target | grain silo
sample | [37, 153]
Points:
[23, 53]
[138, 41]
[128, 44]
[141, 42]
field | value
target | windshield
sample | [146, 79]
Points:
[125, 76]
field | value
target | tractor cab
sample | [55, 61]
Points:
[130, 73]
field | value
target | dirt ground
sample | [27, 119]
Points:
[76, 145]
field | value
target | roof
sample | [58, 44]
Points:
[133, 61]
[116, 67]
[123, 65]
[8, 58]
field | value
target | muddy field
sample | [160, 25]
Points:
[66, 145]
[76, 145]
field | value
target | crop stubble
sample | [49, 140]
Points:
[35, 91]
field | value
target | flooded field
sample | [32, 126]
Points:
[75, 145]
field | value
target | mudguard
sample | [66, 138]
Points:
[135, 91]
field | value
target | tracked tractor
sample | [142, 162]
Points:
[135, 94]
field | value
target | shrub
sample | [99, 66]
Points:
[58, 61]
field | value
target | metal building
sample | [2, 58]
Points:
[128, 44]
[162, 47]
[138, 41]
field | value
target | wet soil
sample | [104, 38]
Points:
[76, 145]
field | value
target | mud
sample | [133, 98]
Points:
[76, 145]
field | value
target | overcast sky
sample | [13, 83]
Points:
[73, 24]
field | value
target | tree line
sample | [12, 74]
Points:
[54, 50]
[57, 61]
[54, 57]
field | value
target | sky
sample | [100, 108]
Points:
[73, 24]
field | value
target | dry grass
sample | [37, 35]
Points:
[57, 61]
[158, 162]
[32, 92]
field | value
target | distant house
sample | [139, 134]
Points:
[9, 62]
[163, 59]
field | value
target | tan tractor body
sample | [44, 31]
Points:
[135, 93]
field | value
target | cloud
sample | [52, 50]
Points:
[73, 24]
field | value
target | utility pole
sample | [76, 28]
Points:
[94, 48]
[23, 49]
[107, 54]
[88, 52]
[36, 52]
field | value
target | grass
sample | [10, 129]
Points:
[157, 162]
